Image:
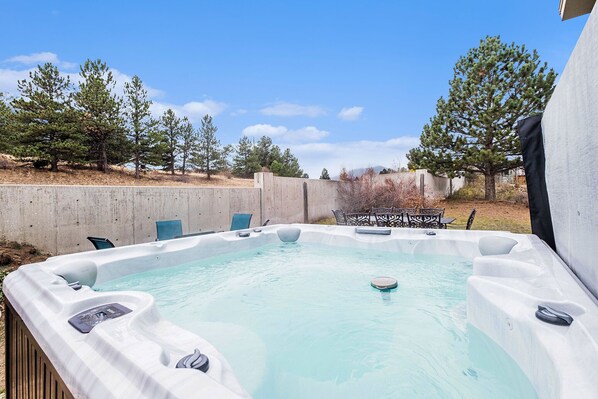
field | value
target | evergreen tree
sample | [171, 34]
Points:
[263, 151]
[100, 114]
[493, 86]
[170, 129]
[188, 143]
[287, 165]
[141, 128]
[225, 154]
[45, 119]
[324, 175]
[246, 160]
[209, 156]
[7, 140]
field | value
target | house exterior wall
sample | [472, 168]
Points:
[570, 130]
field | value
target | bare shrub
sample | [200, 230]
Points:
[363, 194]
[227, 173]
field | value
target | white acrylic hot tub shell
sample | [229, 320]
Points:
[134, 356]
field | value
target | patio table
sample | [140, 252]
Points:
[445, 221]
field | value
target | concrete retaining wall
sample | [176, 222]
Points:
[570, 130]
[284, 199]
[434, 185]
[59, 218]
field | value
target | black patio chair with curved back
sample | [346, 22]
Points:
[389, 219]
[425, 221]
[404, 211]
[339, 215]
[470, 219]
[382, 210]
[101, 242]
[431, 211]
[358, 219]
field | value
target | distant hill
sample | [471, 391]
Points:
[360, 171]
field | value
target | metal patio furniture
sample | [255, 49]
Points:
[389, 219]
[425, 221]
[240, 221]
[101, 242]
[339, 215]
[168, 229]
[470, 219]
[358, 219]
[431, 211]
[382, 210]
[404, 211]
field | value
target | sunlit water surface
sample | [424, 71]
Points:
[302, 321]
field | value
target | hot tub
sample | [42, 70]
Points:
[501, 278]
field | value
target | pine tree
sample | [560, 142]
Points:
[325, 175]
[287, 165]
[170, 129]
[100, 114]
[188, 143]
[263, 151]
[290, 164]
[7, 139]
[141, 128]
[209, 155]
[493, 86]
[245, 161]
[45, 118]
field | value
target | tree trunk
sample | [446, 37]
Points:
[54, 164]
[137, 174]
[184, 165]
[103, 161]
[490, 188]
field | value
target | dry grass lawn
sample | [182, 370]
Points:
[498, 215]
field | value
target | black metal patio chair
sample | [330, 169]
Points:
[425, 221]
[358, 219]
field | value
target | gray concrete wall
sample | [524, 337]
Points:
[59, 218]
[435, 186]
[283, 198]
[570, 130]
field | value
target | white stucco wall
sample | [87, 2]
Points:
[570, 129]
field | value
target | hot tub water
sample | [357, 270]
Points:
[302, 321]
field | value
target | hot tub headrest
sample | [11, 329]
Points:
[496, 245]
[288, 234]
[83, 271]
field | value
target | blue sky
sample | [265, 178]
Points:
[342, 83]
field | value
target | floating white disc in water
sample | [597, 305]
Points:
[384, 283]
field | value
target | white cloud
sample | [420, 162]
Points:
[194, 110]
[350, 114]
[40, 58]
[289, 109]
[284, 134]
[264, 130]
[18, 70]
[238, 112]
[308, 133]
[313, 157]
[9, 78]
